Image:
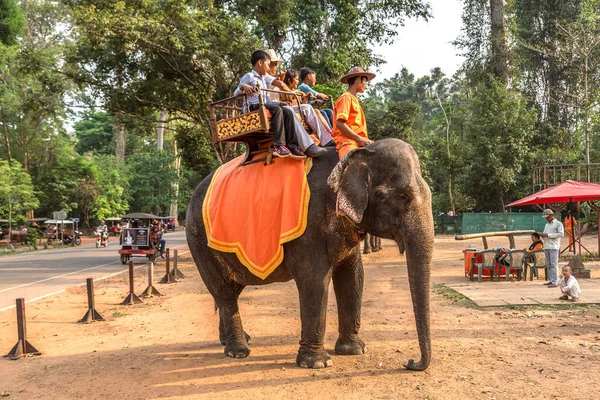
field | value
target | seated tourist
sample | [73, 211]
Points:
[282, 118]
[305, 142]
[313, 119]
[308, 79]
[536, 243]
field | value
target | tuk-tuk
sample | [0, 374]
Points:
[137, 237]
[114, 226]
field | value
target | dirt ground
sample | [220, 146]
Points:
[167, 347]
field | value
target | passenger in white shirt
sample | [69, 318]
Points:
[553, 231]
[569, 285]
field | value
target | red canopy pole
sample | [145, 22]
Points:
[573, 229]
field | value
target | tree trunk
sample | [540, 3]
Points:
[160, 129]
[5, 131]
[120, 140]
[586, 104]
[499, 50]
[174, 209]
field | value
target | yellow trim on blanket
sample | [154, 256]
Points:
[260, 271]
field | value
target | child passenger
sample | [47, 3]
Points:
[283, 118]
[314, 119]
[308, 79]
[568, 285]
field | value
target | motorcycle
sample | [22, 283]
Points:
[101, 238]
[74, 238]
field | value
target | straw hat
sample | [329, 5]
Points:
[274, 58]
[357, 71]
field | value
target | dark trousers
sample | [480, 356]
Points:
[328, 115]
[282, 124]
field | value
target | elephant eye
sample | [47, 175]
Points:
[381, 193]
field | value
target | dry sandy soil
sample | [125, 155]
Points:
[167, 348]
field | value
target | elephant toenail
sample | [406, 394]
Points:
[329, 363]
[318, 364]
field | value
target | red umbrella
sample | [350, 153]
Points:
[565, 192]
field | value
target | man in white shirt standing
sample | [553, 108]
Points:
[553, 231]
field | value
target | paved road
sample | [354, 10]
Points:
[41, 274]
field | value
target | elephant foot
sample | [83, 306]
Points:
[223, 340]
[416, 366]
[354, 347]
[367, 251]
[237, 350]
[320, 359]
[375, 249]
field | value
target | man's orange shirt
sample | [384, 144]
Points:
[348, 108]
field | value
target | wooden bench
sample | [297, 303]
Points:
[229, 123]
[484, 235]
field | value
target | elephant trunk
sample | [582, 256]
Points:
[418, 242]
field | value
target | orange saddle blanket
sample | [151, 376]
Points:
[253, 210]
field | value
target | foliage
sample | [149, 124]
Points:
[498, 128]
[12, 22]
[329, 36]
[94, 132]
[16, 191]
[150, 177]
[113, 184]
[31, 238]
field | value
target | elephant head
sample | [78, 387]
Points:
[380, 189]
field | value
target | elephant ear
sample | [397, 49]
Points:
[351, 181]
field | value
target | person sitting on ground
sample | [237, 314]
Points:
[308, 79]
[568, 285]
[314, 120]
[350, 131]
[282, 119]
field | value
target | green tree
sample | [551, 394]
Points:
[151, 175]
[498, 128]
[12, 22]
[142, 57]
[113, 185]
[94, 133]
[16, 191]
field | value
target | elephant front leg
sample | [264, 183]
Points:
[313, 308]
[348, 285]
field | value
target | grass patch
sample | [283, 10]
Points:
[453, 297]
[118, 314]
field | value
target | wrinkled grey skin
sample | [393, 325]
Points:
[372, 244]
[379, 189]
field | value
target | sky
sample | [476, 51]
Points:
[421, 46]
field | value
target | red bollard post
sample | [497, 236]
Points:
[91, 314]
[168, 278]
[23, 347]
[131, 297]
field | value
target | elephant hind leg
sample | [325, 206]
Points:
[222, 336]
[367, 245]
[231, 332]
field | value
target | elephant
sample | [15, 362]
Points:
[376, 189]
[372, 244]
